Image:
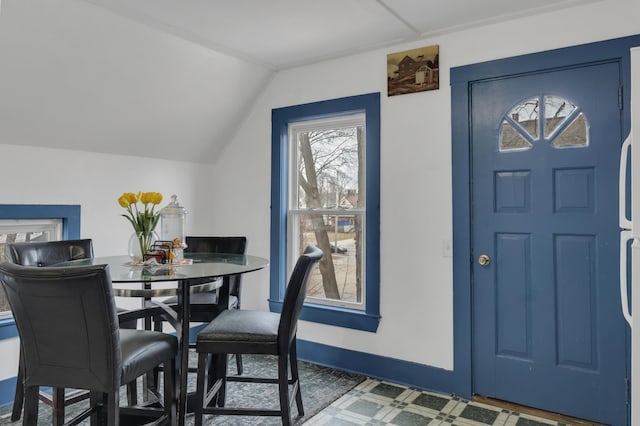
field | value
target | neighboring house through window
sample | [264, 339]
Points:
[325, 191]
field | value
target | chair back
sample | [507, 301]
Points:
[49, 252]
[68, 327]
[232, 245]
[294, 296]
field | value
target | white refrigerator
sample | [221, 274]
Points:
[630, 233]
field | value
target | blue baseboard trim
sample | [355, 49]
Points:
[193, 332]
[392, 370]
[8, 329]
[7, 390]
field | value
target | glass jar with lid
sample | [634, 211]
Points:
[172, 218]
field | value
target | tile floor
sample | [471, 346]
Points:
[375, 403]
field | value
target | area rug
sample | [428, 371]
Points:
[320, 387]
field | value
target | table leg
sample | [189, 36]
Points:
[148, 380]
[184, 307]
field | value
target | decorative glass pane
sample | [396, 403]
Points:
[511, 139]
[556, 111]
[565, 126]
[526, 115]
[575, 135]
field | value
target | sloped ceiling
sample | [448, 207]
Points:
[173, 78]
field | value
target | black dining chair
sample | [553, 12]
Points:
[46, 253]
[205, 306]
[70, 338]
[254, 332]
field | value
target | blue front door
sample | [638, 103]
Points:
[547, 326]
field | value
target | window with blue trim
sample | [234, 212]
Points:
[34, 222]
[326, 191]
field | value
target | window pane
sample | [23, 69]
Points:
[24, 230]
[338, 279]
[525, 115]
[575, 135]
[328, 168]
[556, 110]
[511, 139]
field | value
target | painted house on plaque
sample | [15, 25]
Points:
[425, 71]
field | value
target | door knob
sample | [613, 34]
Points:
[484, 260]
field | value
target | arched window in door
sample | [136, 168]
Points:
[564, 124]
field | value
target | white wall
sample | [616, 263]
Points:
[95, 181]
[416, 279]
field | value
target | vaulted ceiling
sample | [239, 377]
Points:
[130, 77]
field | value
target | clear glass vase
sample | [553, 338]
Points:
[139, 244]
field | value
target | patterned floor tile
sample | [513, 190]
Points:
[376, 403]
[365, 407]
[411, 418]
[387, 390]
[480, 414]
[431, 401]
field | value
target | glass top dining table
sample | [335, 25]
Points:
[194, 274]
[201, 265]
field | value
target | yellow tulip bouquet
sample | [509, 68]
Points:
[144, 218]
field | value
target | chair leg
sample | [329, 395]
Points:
[283, 389]
[216, 370]
[201, 391]
[170, 393]
[150, 383]
[96, 399]
[152, 378]
[18, 399]
[211, 370]
[293, 361]
[239, 367]
[113, 408]
[31, 405]
[132, 393]
[57, 406]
